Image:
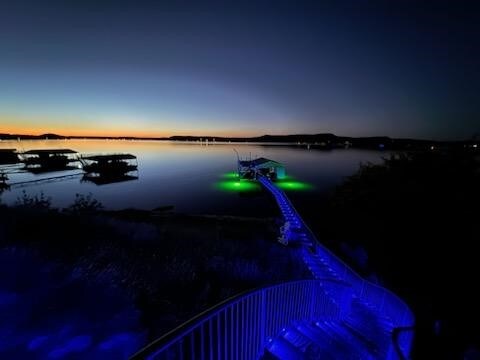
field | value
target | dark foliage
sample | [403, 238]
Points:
[37, 202]
[172, 266]
[85, 204]
[417, 217]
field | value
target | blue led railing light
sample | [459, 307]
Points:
[240, 327]
[247, 325]
[386, 303]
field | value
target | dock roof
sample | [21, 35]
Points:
[50, 151]
[109, 157]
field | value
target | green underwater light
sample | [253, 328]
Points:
[233, 183]
[238, 185]
[230, 175]
[293, 185]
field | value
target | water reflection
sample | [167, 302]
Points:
[187, 175]
[107, 179]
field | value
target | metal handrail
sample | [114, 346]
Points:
[246, 321]
[401, 315]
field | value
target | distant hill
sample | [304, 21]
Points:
[322, 141]
[31, 137]
[328, 141]
[52, 136]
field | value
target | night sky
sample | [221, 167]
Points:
[245, 68]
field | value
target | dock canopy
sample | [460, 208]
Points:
[109, 157]
[260, 162]
[50, 152]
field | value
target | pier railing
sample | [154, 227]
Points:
[386, 303]
[239, 328]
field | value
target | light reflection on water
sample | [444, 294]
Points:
[187, 175]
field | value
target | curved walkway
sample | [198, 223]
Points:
[336, 315]
[375, 314]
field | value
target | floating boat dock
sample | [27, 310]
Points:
[108, 169]
[45, 160]
[113, 164]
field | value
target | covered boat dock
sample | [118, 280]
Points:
[107, 169]
[112, 164]
[264, 166]
[48, 159]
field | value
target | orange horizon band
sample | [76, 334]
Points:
[88, 132]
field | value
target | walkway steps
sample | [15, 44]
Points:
[363, 334]
[324, 339]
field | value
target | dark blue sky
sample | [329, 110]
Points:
[359, 68]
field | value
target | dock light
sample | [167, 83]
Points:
[237, 185]
[294, 185]
[231, 175]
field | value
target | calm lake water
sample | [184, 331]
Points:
[192, 177]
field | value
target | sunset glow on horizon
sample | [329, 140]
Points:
[41, 126]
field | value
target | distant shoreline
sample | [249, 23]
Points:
[323, 141]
